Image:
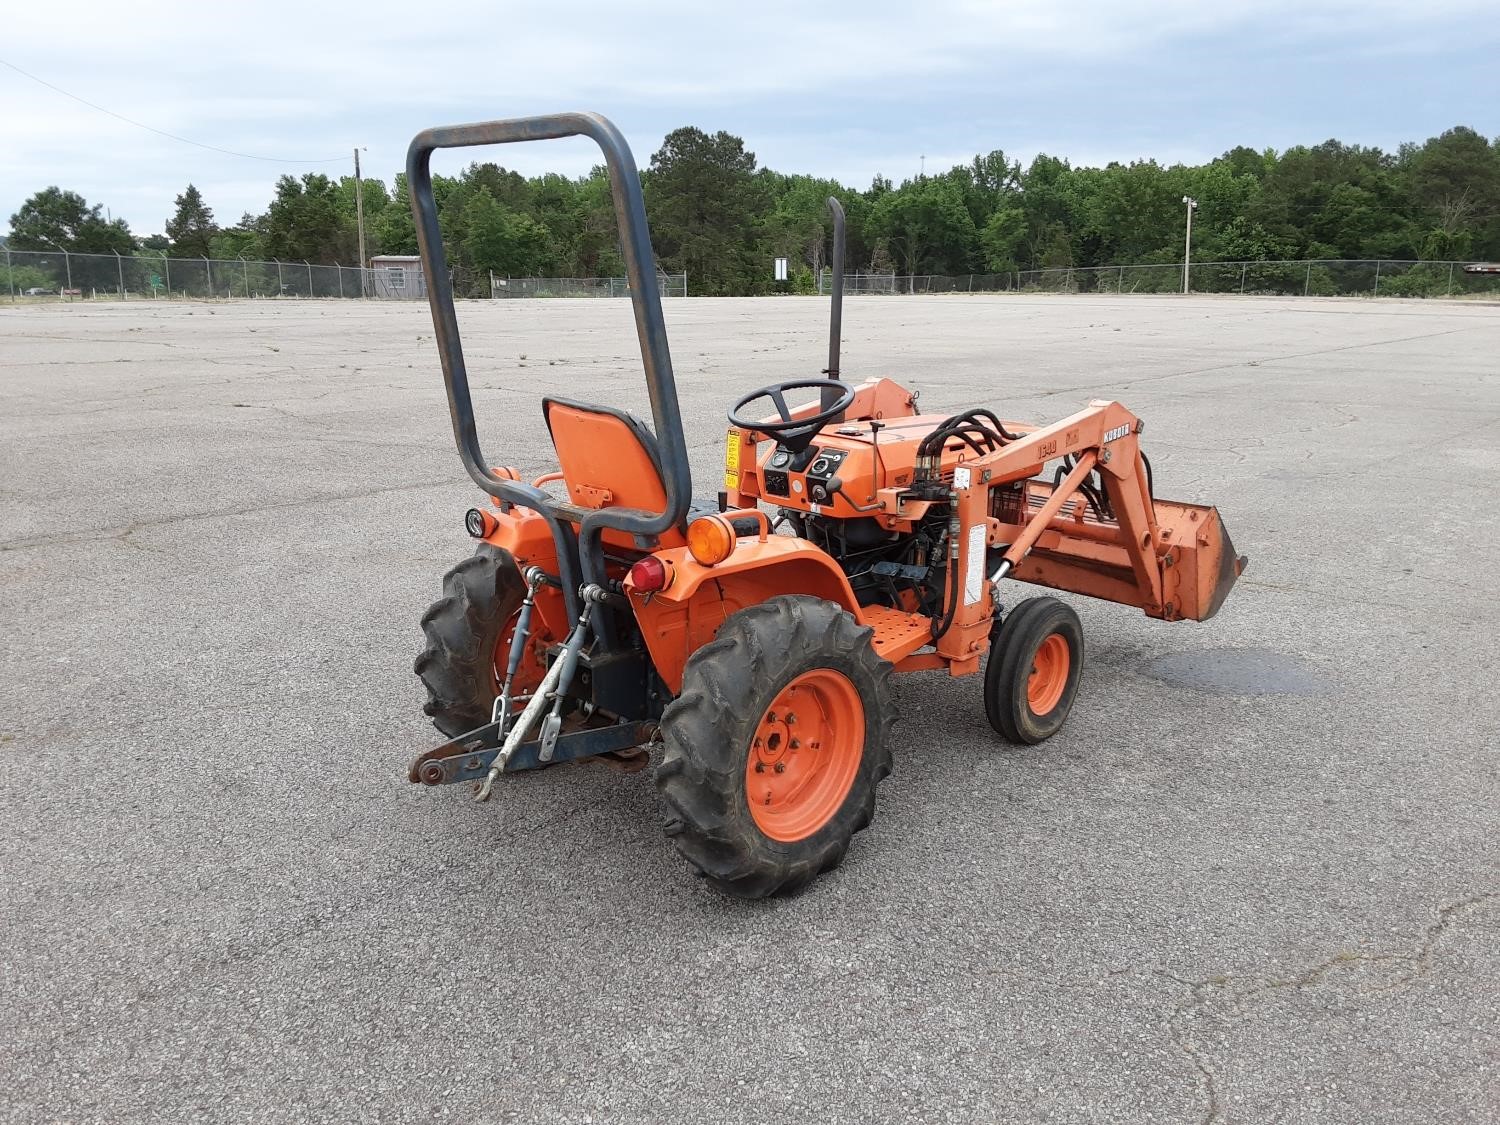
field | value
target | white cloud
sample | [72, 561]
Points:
[309, 81]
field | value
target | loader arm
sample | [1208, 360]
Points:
[1170, 559]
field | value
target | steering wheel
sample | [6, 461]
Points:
[795, 434]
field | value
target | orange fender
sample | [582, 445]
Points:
[686, 615]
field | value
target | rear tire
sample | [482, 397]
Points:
[739, 709]
[1033, 671]
[481, 596]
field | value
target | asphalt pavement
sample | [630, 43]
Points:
[1252, 880]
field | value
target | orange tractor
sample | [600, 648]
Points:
[755, 638]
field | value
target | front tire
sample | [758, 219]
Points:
[775, 745]
[1033, 671]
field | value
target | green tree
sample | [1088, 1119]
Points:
[394, 228]
[191, 227]
[596, 246]
[307, 222]
[1455, 188]
[376, 200]
[1002, 238]
[244, 240]
[57, 218]
[800, 226]
[927, 226]
[503, 241]
[707, 209]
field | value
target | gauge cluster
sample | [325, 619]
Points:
[805, 475]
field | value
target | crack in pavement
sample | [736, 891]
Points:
[463, 875]
[96, 534]
[1412, 966]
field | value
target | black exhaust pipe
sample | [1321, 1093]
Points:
[836, 312]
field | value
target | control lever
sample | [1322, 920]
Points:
[835, 487]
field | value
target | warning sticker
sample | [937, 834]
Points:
[732, 460]
[974, 565]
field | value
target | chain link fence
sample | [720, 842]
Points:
[145, 276]
[1320, 277]
[514, 288]
[33, 274]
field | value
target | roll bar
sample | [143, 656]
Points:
[645, 298]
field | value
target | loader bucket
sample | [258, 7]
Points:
[1205, 564]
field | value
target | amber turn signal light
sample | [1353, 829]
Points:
[710, 539]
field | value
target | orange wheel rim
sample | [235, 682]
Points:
[804, 755]
[1049, 674]
[529, 674]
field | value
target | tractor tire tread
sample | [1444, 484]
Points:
[706, 731]
[461, 629]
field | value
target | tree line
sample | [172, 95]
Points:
[720, 217]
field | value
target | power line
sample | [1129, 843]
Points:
[163, 132]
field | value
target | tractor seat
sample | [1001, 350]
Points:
[610, 459]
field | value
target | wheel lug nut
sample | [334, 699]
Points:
[795, 744]
[760, 767]
[781, 767]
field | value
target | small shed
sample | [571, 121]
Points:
[397, 277]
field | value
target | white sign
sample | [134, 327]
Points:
[780, 269]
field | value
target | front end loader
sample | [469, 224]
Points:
[754, 636]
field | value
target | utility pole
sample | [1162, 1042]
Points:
[1187, 246]
[359, 210]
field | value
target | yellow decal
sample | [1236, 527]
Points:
[732, 460]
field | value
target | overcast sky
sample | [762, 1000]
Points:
[847, 90]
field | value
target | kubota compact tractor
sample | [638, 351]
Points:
[613, 611]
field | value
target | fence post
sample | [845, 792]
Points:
[208, 268]
[1243, 267]
[11, 278]
[684, 283]
[309, 277]
[168, 270]
[120, 271]
[245, 269]
[341, 278]
[280, 285]
[1377, 278]
[1450, 279]
[1307, 281]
